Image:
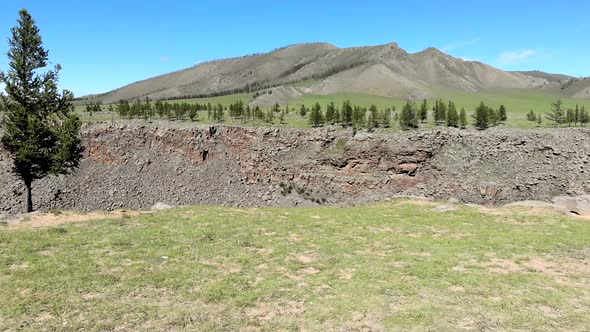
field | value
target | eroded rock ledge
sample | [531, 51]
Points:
[135, 166]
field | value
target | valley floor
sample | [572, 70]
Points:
[397, 265]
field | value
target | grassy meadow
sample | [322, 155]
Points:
[517, 101]
[397, 265]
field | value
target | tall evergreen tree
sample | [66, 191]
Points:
[439, 112]
[423, 115]
[41, 133]
[408, 117]
[331, 113]
[346, 114]
[452, 116]
[481, 116]
[556, 114]
[584, 117]
[569, 117]
[493, 116]
[530, 116]
[303, 110]
[358, 116]
[463, 118]
[502, 116]
[316, 118]
[385, 118]
[373, 121]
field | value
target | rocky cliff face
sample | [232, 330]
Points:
[136, 166]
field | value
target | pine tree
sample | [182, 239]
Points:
[569, 117]
[423, 111]
[408, 117]
[89, 109]
[303, 110]
[556, 114]
[530, 116]
[248, 112]
[373, 121]
[493, 116]
[346, 114]
[439, 112]
[41, 133]
[358, 116]
[539, 120]
[481, 116]
[315, 116]
[463, 118]
[452, 116]
[192, 113]
[584, 117]
[576, 115]
[385, 118]
[502, 116]
[331, 113]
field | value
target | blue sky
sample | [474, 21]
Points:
[106, 44]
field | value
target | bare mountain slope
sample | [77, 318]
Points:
[547, 76]
[573, 88]
[385, 70]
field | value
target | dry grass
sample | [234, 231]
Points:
[399, 265]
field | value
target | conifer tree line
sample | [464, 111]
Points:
[93, 107]
[411, 116]
[558, 115]
[446, 114]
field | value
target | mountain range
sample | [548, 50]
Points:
[322, 68]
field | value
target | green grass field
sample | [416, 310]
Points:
[397, 265]
[517, 101]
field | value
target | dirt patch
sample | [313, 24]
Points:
[264, 312]
[502, 266]
[48, 219]
[550, 312]
[564, 270]
[457, 289]
[363, 321]
[418, 201]
[512, 210]
[305, 259]
[310, 270]
[346, 274]
[19, 267]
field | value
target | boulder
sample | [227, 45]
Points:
[161, 206]
[579, 205]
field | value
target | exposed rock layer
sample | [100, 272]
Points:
[138, 166]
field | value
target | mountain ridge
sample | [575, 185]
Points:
[383, 70]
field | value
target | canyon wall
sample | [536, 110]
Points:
[135, 166]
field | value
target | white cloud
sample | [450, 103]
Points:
[508, 58]
[165, 58]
